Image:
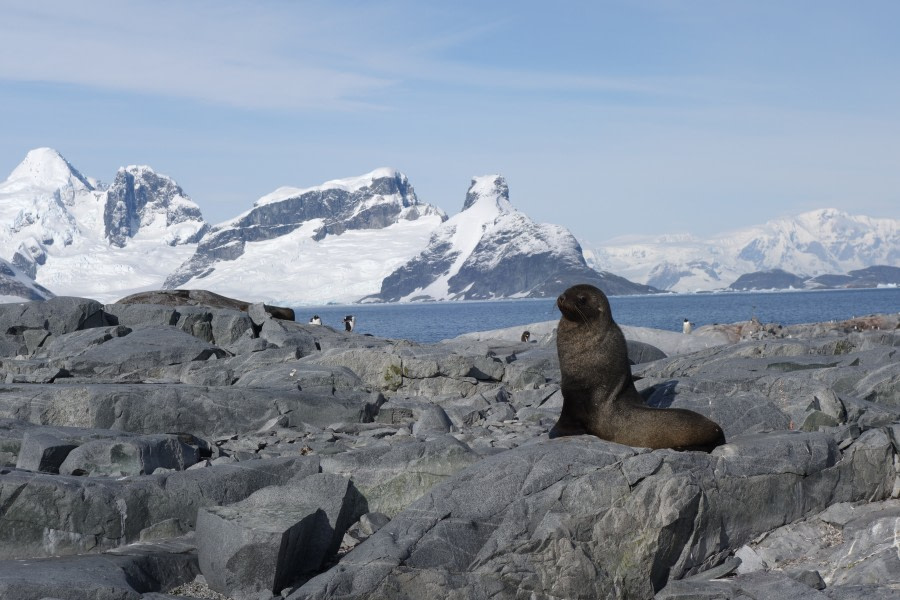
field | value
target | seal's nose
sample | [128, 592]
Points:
[561, 299]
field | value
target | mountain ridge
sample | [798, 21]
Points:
[822, 241]
[490, 249]
[369, 237]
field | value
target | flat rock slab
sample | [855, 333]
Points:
[391, 477]
[848, 544]
[125, 575]
[206, 411]
[200, 298]
[141, 351]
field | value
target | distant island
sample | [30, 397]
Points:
[779, 279]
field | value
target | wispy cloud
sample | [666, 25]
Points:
[291, 56]
[189, 50]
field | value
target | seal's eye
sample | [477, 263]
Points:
[582, 300]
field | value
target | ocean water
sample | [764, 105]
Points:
[434, 321]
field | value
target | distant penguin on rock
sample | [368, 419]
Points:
[349, 322]
[315, 320]
[526, 335]
[687, 326]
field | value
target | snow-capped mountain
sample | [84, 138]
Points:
[369, 237]
[491, 250]
[813, 243]
[330, 243]
[77, 236]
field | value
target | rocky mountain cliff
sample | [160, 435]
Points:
[825, 241]
[330, 243]
[141, 200]
[491, 250]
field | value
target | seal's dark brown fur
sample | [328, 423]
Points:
[599, 396]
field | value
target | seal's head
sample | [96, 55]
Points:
[583, 303]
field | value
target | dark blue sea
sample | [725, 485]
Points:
[433, 321]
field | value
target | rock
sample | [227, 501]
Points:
[460, 493]
[56, 515]
[59, 315]
[560, 501]
[200, 298]
[257, 313]
[127, 457]
[390, 477]
[770, 586]
[78, 342]
[301, 376]
[269, 540]
[204, 410]
[433, 421]
[641, 352]
[34, 338]
[125, 575]
[220, 326]
[283, 334]
[141, 352]
[43, 452]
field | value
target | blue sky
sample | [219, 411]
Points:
[607, 117]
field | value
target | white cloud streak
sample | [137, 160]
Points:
[189, 50]
[289, 56]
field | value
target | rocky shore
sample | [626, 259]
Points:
[163, 451]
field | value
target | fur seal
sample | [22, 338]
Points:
[599, 396]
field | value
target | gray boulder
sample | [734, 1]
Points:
[60, 315]
[277, 534]
[43, 452]
[138, 455]
[287, 334]
[73, 344]
[433, 421]
[128, 574]
[56, 515]
[141, 353]
[642, 352]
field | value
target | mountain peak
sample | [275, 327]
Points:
[347, 184]
[47, 169]
[488, 188]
